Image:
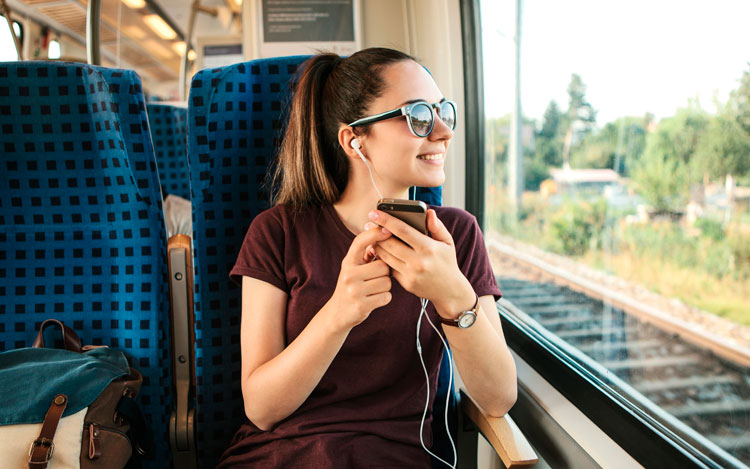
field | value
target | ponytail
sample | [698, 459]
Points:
[312, 169]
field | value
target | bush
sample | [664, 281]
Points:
[740, 248]
[668, 242]
[578, 226]
[710, 228]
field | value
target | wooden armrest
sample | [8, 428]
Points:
[502, 433]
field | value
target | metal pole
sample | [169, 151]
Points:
[515, 151]
[188, 39]
[93, 53]
[9, 19]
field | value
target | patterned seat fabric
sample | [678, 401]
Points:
[169, 134]
[234, 129]
[81, 229]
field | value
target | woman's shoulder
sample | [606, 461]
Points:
[453, 215]
[284, 215]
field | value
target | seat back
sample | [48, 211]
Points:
[168, 126]
[82, 236]
[235, 120]
[231, 142]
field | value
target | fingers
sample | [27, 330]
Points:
[378, 300]
[437, 230]
[357, 251]
[391, 260]
[399, 228]
[377, 285]
[374, 269]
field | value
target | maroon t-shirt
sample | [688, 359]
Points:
[366, 410]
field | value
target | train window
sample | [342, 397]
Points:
[617, 195]
[54, 49]
[7, 47]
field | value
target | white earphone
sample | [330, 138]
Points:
[356, 146]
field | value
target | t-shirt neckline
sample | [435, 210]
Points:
[333, 214]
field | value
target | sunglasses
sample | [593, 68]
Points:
[420, 116]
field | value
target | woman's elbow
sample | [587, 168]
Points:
[256, 417]
[503, 403]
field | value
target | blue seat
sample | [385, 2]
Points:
[169, 133]
[234, 127]
[231, 142]
[82, 236]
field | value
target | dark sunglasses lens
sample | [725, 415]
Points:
[421, 119]
[448, 114]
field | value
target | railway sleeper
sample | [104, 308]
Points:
[705, 409]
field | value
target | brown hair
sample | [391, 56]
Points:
[312, 169]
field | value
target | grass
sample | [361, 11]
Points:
[727, 297]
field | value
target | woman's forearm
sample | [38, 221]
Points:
[278, 387]
[484, 361]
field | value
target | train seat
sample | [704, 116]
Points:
[81, 230]
[168, 124]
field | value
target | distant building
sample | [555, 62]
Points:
[575, 180]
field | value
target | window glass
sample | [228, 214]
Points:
[7, 47]
[635, 161]
[54, 49]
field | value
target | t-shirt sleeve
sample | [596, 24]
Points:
[262, 252]
[472, 257]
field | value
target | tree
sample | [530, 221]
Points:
[581, 115]
[739, 101]
[548, 144]
[615, 146]
[725, 146]
[665, 171]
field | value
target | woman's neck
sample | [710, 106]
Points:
[354, 206]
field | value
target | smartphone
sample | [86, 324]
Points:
[412, 212]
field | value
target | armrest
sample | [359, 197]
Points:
[182, 420]
[502, 433]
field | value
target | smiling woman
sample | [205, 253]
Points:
[316, 307]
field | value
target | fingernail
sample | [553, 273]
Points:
[373, 215]
[385, 231]
[368, 225]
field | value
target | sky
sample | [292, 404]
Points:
[635, 56]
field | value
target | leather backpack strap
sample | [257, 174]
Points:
[43, 447]
[70, 338]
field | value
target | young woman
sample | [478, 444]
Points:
[331, 287]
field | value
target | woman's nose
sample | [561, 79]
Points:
[441, 131]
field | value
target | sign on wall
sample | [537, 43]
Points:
[291, 27]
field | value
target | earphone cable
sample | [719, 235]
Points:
[427, 378]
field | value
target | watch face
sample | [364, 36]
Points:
[466, 319]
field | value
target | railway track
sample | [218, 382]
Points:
[703, 383]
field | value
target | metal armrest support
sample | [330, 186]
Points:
[502, 433]
[182, 421]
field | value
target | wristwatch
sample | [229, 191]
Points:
[464, 320]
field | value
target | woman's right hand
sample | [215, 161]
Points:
[364, 284]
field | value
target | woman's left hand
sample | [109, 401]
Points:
[425, 266]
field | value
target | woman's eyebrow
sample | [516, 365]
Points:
[405, 103]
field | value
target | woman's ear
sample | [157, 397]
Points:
[346, 137]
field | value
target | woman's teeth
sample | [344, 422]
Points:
[436, 156]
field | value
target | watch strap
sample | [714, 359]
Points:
[454, 322]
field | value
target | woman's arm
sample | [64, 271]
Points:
[481, 354]
[276, 378]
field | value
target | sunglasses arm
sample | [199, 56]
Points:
[379, 117]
